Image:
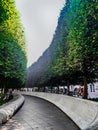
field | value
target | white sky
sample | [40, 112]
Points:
[39, 18]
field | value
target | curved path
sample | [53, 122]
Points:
[38, 114]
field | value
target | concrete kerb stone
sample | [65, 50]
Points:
[7, 110]
[83, 112]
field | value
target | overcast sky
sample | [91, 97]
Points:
[39, 18]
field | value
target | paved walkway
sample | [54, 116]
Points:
[38, 114]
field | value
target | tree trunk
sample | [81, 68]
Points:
[44, 89]
[51, 88]
[5, 85]
[2, 90]
[68, 86]
[38, 89]
[5, 88]
[85, 94]
[58, 89]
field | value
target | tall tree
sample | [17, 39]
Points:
[12, 46]
[82, 38]
[73, 54]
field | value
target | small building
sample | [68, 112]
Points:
[93, 90]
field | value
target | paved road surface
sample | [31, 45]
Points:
[38, 114]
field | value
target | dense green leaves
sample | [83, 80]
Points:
[82, 38]
[12, 46]
[73, 54]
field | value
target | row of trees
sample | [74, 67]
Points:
[12, 47]
[72, 57]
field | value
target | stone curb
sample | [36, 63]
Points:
[83, 112]
[7, 110]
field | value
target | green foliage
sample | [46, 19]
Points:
[12, 24]
[82, 21]
[12, 46]
[82, 35]
[73, 54]
[3, 15]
